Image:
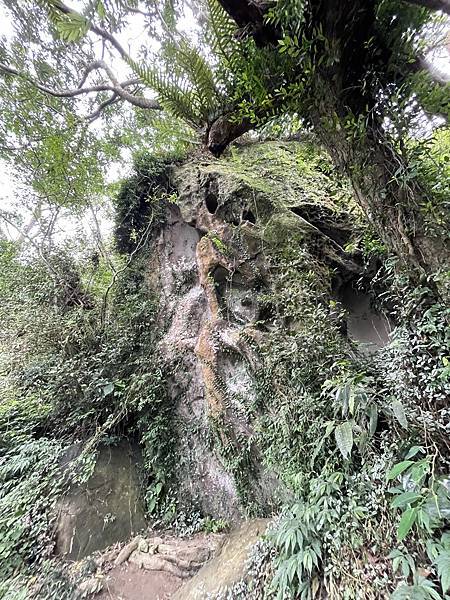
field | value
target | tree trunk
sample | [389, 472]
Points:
[390, 200]
[341, 94]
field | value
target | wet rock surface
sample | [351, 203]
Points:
[106, 509]
[228, 565]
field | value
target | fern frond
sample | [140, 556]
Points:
[173, 93]
[223, 41]
[200, 75]
[51, 7]
[230, 51]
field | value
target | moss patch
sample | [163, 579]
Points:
[289, 173]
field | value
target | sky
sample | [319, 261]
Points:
[131, 38]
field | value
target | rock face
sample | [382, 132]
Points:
[228, 565]
[180, 557]
[210, 268]
[106, 509]
[365, 325]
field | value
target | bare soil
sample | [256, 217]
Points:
[129, 582]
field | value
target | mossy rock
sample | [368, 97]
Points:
[104, 510]
[228, 566]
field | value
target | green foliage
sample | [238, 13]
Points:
[59, 159]
[361, 442]
[211, 525]
[71, 27]
[421, 589]
[29, 490]
[422, 498]
[439, 554]
[141, 202]
[188, 88]
[432, 159]
[344, 438]
[72, 373]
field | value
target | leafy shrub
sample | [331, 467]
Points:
[361, 442]
[29, 488]
[140, 204]
[85, 374]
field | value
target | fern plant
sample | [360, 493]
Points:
[189, 90]
[232, 78]
[222, 39]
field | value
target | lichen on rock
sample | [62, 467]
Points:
[217, 267]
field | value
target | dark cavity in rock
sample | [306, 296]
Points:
[365, 324]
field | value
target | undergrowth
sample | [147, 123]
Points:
[358, 442]
[73, 372]
[363, 442]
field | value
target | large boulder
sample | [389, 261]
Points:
[213, 268]
[106, 509]
[227, 567]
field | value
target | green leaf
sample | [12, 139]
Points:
[351, 402]
[443, 569]
[419, 471]
[108, 388]
[423, 519]
[399, 468]
[72, 27]
[329, 426]
[396, 563]
[101, 11]
[413, 451]
[406, 522]
[399, 413]
[344, 438]
[405, 499]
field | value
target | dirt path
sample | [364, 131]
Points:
[148, 568]
[129, 582]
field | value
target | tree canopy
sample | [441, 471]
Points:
[363, 76]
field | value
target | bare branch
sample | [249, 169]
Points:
[118, 88]
[86, 74]
[103, 87]
[98, 111]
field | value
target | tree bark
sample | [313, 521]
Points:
[223, 131]
[391, 203]
[249, 17]
[340, 93]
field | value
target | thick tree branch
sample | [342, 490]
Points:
[249, 16]
[118, 88]
[121, 91]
